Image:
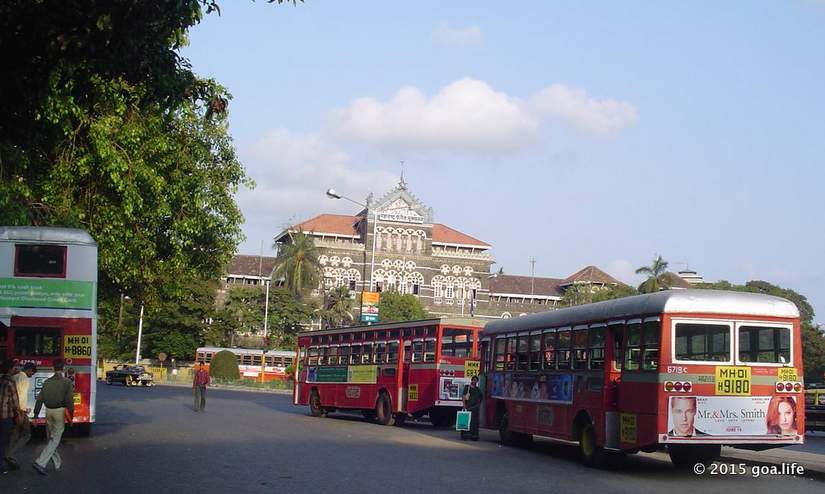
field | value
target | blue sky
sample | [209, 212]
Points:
[577, 133]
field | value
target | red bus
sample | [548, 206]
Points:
[273, 366]
[48, 310]
[689, 370]
[388, 371]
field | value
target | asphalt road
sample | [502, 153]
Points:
[148, 440]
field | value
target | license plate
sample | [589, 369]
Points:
[733, 381]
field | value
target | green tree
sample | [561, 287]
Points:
[395, 307]
[224, 366]
[297, 264]
[338, 308]
[655, 273]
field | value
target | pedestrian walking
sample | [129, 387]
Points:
[199, 385]
[472, 402]
[56, 395]
[9, 410]
[22, 431]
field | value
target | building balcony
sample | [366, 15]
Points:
[476, 256]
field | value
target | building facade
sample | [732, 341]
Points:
[393, 244]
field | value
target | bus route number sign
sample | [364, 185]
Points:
[471, 368]
[733, 381]
[77, 346]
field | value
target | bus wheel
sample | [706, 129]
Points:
[510, 438]
[315, 408]
[383, 410]
[109, 381]
[591, 453]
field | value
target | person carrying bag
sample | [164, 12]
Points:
[472, 404]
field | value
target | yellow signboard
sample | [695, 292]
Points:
[627, 428]
[370, 297]
[733, 381]
[412, 392]
[471, 368]
[76, 399]
[77, 346]
[362, 374]
[786, 374]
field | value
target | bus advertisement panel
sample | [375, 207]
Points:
[48, 309]
[689, 370]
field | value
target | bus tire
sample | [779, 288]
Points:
[109, 381]
[315, 408]
[510, 438]
[592, 454]
[383, 410]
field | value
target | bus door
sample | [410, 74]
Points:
[612, 381]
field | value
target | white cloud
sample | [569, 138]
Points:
[293, 171]
[574, 106]
[466, 115]
[445, 35]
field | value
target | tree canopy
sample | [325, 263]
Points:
[298, 264]
[395, 307]
[656, 279]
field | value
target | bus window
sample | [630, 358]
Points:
[343, 355]
[429, 351]
[618, 333]
[355, 354]
[418, 351]
[549, 350]
[39, 342]
[456, 342]
[579, 349]
[312, 356]
[523, 353]
[269, 360]
[366, 353]
[650, 354]
[563, 350]
[597, 338]
[392, 352]
[702, 342]
[407, 350]
[256, 360]
[500, 353]
[380, 353]
[44, 261]
[764, 344]
[535, 352]
[510, 359]
[633, 347]
[332, 356]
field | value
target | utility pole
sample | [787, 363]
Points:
[532, 275]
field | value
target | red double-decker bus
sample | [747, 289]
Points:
[689, 370]
[388, 371]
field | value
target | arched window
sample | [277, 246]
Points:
[437, 284]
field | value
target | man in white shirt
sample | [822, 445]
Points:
[22, 431]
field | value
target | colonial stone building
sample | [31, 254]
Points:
[394, 245]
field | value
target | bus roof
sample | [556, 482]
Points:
[454, 321]
[46, 234]
[692, 300]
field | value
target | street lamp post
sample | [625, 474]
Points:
[140, 333]
[334, 195]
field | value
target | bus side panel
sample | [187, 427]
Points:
[425, 377]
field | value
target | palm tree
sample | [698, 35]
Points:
[338, 307]
[656, 276]
[298, 263]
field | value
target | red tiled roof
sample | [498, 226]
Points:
[243, 265]
[443, 234]
[339, 224]
[508, 283]
[591, 274]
